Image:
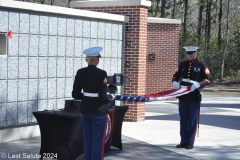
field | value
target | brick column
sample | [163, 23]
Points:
[136, 53]
[163, 41]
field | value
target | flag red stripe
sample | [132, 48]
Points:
[173, 92]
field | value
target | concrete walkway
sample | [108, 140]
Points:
[219, 137]
[156, 137]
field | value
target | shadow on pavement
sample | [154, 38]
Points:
[132, 150]
[211, 114]
[210, 120]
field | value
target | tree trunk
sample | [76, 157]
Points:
[163, 8]
[52, 2]
[208, 36]
[42, 1]
[200, 18]
[220, 24]
[68, 3]
[173, 10]
[225, 45]
[185, 20]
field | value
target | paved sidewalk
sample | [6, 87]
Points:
[156, 137]
[219, 128]
[132, 150]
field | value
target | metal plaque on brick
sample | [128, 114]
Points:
[151, 56]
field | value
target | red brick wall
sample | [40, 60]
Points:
[136, 54]
[163, 41]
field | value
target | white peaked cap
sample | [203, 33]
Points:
[93, 51]
[191, 48]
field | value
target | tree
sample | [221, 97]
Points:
[163, 8]
[200, 19]
[173, 9]
[208, 25]
[154, 9]
[220, 24]
[225, 45]
[52, 2]
[203, 24]
[185, 20]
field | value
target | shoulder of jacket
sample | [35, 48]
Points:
[83, 69]
[101, 71]
[80, 70]
[201, 62]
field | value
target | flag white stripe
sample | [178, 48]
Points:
[177, 93]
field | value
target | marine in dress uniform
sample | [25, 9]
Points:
[194, 73]
[92, 81]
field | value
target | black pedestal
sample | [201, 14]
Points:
[61, 132]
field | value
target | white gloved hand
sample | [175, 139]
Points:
[195, 86]
[113, 96]
[175, 85]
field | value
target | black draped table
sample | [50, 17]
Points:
[61, 132]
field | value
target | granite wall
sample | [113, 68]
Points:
[43, 56]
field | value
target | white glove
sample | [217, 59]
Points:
[113, 96]
[175, 85]
[195, 86]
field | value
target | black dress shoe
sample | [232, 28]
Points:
[189, 147]
[181, 145]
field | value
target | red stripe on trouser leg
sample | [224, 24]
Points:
[195, 131]
[103, 139]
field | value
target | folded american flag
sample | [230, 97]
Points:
[155, 96]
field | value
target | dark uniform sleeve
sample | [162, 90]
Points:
[177, 75]
[77, 88]
[102, 87]
[206, 77]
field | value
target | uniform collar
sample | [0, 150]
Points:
[92, 66]
[190, 61]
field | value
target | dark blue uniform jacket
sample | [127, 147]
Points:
[91, 80]
[193, 70]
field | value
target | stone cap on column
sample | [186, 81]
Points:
[61, 10]
[109, 3]
[163, 20]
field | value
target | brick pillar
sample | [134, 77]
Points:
[163, 41]
[136, 53]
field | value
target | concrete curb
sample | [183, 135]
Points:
[221, 90]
